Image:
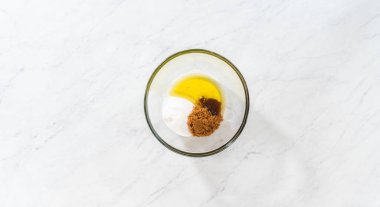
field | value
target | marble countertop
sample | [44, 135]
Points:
[72, 80]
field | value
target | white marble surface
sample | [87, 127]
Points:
[72, 127]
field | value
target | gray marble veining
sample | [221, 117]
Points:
[73, 75]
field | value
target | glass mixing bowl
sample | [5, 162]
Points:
[235, 100]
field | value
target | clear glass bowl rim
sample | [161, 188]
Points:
[242, 125]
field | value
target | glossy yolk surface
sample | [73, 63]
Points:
[195, 87]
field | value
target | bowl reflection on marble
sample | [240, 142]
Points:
[235, 95]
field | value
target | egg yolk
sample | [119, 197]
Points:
[193, 88]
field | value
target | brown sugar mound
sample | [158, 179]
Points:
[201, 122]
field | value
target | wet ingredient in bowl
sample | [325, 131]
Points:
[206, 114]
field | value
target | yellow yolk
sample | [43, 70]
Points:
[195, 87]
